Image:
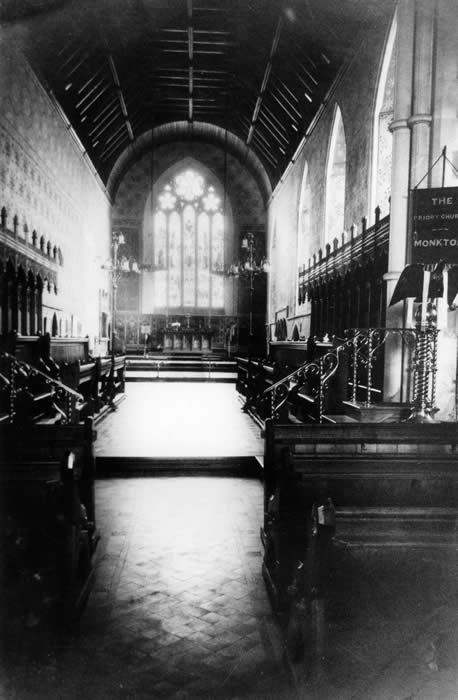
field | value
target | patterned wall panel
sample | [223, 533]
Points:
[47, 182]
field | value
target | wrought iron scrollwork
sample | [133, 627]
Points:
[312, 376]
[363, 347]
[25, 383]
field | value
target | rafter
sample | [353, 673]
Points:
[190, 60]
[120, 95]
[243, 65]
[265, 79]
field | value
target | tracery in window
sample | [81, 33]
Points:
[188, 244]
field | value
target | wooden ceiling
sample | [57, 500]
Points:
[260, 69]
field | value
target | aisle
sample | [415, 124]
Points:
[179, 609]
[179, 419]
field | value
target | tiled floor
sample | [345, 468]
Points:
[178, 610]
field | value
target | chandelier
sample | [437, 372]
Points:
[120, 264]
[248, 265]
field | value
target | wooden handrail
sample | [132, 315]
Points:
[35, 370]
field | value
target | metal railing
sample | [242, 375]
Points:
[18, 384]
[362, 348]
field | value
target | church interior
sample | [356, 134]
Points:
[228, 349]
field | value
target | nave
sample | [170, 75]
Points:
[179, 608]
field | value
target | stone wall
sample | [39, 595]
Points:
[355, 94]
[48, 183]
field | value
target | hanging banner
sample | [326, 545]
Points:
[434, 225]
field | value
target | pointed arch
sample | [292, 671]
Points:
[336, 179]
[303, 235]
[304, 222]
[187, 234]
[380, 186]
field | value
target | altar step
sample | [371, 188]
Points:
[181, 367]
[114, 466]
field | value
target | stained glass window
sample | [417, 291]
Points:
[189, 244]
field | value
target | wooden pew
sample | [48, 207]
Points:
[253, 378]
[355, 485]
[34, 395]
[77, 370]
[47, 522]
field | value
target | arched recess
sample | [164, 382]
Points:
[382, 139]
[336, 179]
[166, 246]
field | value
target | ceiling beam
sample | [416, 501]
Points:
[190, 61]
[120, 95]
[265, 79]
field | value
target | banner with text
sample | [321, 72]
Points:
[434, 224]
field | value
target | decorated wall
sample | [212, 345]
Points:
[48, 183]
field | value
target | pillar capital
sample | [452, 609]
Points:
[391, 275]
[398, 124]
[419, 119]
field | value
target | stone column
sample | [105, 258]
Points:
[421, 118]
[400, 183]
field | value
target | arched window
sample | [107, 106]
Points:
[304, 224]
[188, 244]
[382, 137]
[303, 229]
[335, 180]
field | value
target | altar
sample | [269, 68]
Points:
[188, 339]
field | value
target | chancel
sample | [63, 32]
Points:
[228, 349]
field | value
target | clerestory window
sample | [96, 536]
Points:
[188, 244]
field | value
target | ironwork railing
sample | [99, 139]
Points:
[314, 375]
[362, 347]
[19, 379]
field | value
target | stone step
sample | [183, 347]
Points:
[377, 412]
[110, 466]
[339, 418]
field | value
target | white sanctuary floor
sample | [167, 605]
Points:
[179, 419]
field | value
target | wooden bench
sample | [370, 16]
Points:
[47, 521]
[331, 488]
[63, 359]
[379, 485]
